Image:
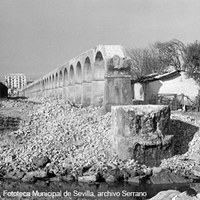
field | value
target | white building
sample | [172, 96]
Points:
[174, 83]
[15, 81]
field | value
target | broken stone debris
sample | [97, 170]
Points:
[61, 139]
[73, 138]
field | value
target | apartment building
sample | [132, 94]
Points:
[15, 81]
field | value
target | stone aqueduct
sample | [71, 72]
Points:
[81, 79]
[101, 76]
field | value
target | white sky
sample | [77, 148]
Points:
[37, 36]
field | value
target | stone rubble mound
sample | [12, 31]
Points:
[187, 137]
[58, 138]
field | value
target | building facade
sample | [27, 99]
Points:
[14, 82]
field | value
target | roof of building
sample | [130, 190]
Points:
[156, 76]
[17, 74]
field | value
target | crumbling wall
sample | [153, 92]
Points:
[141, 132]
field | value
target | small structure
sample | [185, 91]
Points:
[3, 90]
[173, 84]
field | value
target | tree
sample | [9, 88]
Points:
[171, 53]
[137, 56]
[146, 61]
[192, 59]
[157, 58]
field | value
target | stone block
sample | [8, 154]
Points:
[142, 133]
[91, 178]
[134, 180]
[167, 177]
[117, 92]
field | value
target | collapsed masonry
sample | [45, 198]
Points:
[141, 132]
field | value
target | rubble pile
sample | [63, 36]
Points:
[59, 137]
[187, 159]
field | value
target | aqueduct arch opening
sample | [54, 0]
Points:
[50, 82]
[53, 80]
[99, 66]
[43, 85]
[56, 82]
[71, 75]
[60, 79]
[78, 73]
[87, 83]
[65, 77]
[98, 79]
[87, 70]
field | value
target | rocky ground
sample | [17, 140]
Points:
[185, 127]
[60, 141]
[59, 138]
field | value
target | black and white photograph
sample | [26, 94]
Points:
[99, 99]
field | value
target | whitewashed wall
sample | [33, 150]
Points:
[179, 84]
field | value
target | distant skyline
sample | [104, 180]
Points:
[37, 36]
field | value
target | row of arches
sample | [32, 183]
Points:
[86, 72]
[69, 76]
[76, 74]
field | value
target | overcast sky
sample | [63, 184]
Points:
[37, 36]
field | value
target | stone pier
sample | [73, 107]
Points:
[117, 90]
[141, 132]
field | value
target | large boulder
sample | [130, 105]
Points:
[141, 132]
[32, 176]
[167, 177]
[41, 161]
[166, 195]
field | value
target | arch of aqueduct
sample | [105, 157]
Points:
[81, 79]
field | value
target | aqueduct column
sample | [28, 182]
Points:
[78, 83]
[87, 83]
[60, 85]
[117, 90]
[98, 79]
[71, 86]
[65, 84]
